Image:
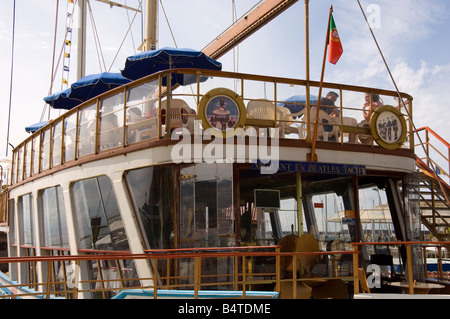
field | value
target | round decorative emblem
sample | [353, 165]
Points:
[222, 110]
[388, 127]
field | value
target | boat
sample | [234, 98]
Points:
[152, 191]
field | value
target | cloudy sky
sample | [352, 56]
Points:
[411, 33]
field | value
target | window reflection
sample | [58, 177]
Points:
[152, 190]
[99, 223]
[206, 210]
[26, 225]
[111, 122]
[86, 130]
[53, 218]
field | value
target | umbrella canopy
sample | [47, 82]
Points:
[84, 89]
[61, 100]
[33, 128]
[149, 62]
[95, 84]
[297, 103]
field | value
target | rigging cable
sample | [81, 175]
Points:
[132, 37]
[168, 24]
[96, 39]
[402, 103]
[66, 66]
[11, 79]
[123, 40]
[53, 61]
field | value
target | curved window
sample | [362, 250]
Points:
[26, 225]
[152, 191]
[99, 224]
[52, 218]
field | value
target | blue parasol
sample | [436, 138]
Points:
[149, 62]
[33, 128]
[297, 103]
[61, 100]
[95, 84]
[84, 89]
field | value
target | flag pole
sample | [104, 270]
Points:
[312, 156]
[308, 91]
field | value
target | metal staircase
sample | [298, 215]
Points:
[432, 156]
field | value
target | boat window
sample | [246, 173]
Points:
[19, 162]
[142, 112]
[152, 192]
[56, 144]
[11, 222]
[98, 220]
[53, 226]
[45, 150]
[26, 225]
[35, 165]
[86, 130]
[206, 206]
[27, 159]
[111, 122]
[70, 124]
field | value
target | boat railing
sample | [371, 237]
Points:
[130, 117]
[188, 271]
[434, 151]
[415, 260]
[58, 274]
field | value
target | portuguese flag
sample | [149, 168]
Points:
[335, 46]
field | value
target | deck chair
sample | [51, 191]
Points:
[265, 110]
[328, 127]
[179, 111]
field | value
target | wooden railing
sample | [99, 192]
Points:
[85, 131]
[243, 278]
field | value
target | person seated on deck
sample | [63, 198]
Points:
[109, 131]
[134, 116]
[327, 105]
[371, 103]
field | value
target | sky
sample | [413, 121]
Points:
[412, 35]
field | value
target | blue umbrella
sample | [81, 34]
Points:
[297, 103]
[149, 62]
[84, 89]
[33, 128]
[95, 84]
[61, 100]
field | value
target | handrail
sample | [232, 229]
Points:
[242, 277]
[426, 128]
[31, 158]
[407, 244]
[427, 150]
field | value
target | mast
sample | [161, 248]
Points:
[151, 26]
[81, 42]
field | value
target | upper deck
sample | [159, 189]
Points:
[133, 117]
